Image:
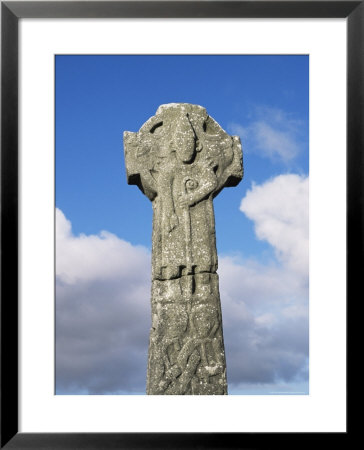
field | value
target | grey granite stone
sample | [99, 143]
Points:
[181, 159]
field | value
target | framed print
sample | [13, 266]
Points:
[46, 43]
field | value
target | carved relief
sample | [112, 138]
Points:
[181, 159]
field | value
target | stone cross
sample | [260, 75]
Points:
[181, 159]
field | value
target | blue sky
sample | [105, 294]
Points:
[264, 100]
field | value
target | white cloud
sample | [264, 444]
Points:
[105, 256]
[279, 209]
[102, 312]
[272, 133]
[265, 307]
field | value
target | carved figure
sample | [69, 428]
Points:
[181, 159]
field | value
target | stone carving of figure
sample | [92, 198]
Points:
[181, 159]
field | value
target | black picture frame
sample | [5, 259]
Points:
[11, 12]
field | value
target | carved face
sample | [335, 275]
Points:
[184, 139]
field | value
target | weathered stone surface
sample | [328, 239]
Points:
[181, 159]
